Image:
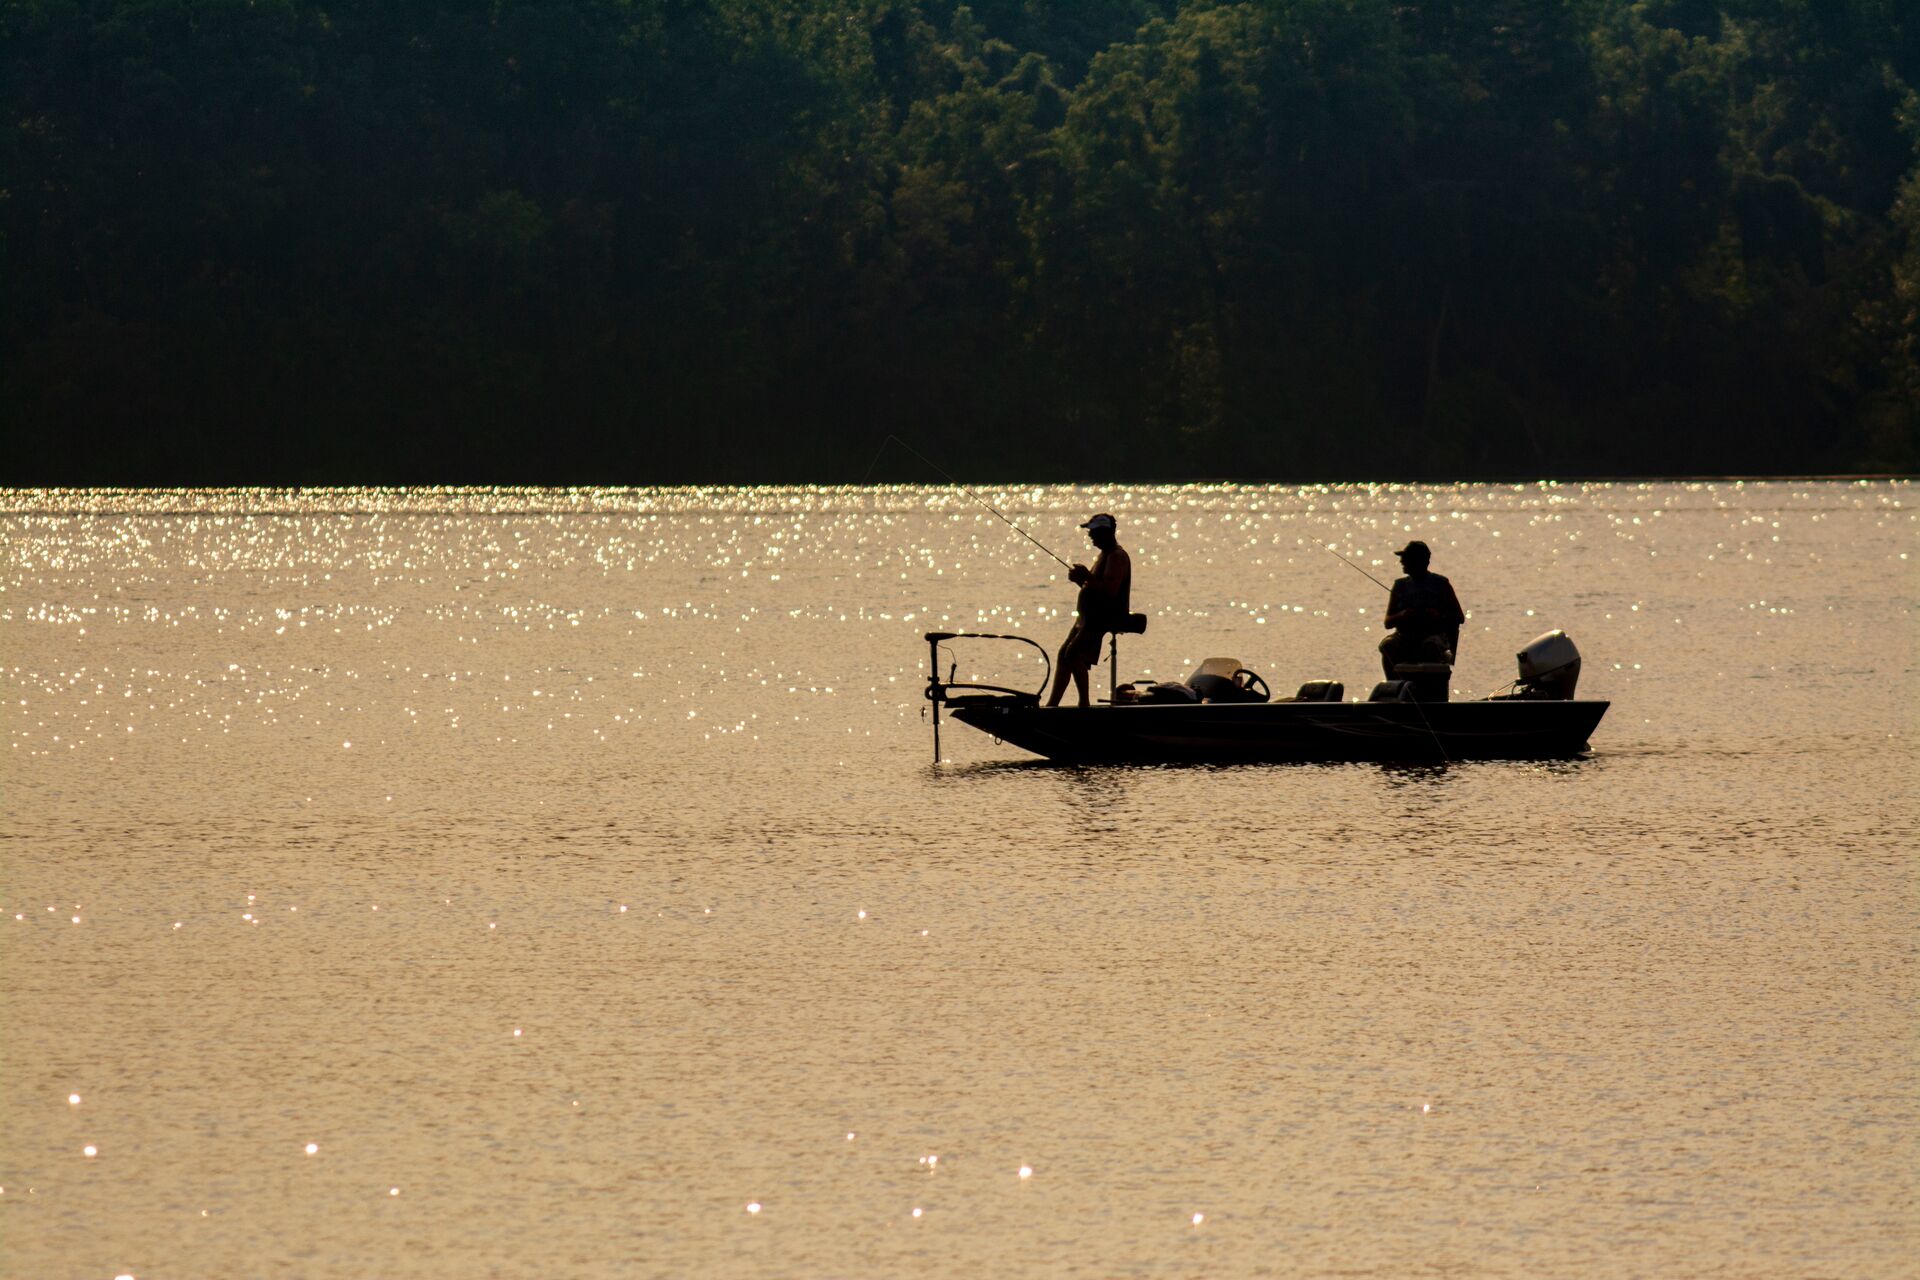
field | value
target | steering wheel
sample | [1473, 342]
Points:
[1251, 682]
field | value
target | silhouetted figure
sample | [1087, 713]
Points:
[1102, 607]
[1424, 613]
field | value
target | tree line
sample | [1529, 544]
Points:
[638, 241]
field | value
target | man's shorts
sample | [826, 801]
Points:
[1082, 647]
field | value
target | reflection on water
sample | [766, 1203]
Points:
[525, 882]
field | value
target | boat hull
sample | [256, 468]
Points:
[1429, 732]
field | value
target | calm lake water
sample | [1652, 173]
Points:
[557, 883]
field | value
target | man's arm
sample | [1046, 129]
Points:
[1395, 616]
[1456, 616]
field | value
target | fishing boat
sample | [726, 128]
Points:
[1225, 713]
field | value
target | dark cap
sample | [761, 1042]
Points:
[1414, 551]
[1101, 521]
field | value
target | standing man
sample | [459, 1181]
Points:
[1102, 607]
[1423, 611]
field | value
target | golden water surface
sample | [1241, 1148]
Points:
[557, 883]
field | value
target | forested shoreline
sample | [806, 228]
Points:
[649, 241]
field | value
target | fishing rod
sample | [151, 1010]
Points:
[892, 439]
[1357, 569]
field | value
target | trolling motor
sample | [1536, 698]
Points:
[939, 691]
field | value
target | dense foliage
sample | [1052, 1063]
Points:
[657, 240]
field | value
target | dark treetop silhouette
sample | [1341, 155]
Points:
[659, 240]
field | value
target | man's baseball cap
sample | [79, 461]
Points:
[1101, 521]
[1414, 551]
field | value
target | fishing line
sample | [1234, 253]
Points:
[1357, 569]
[962, 488]
[1444, 757]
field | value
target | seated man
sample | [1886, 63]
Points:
[1423, 611]
[1102, 607]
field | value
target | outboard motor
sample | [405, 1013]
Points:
[1549, 668]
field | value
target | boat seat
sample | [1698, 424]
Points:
[1430, 680]
[1392, 691]
[1318, 691]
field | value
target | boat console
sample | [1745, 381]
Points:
[1226, 680]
